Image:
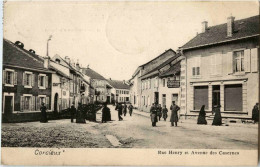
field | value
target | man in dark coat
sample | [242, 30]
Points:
[174, 115]
[72, 112]
[164, 112]
[43, 113]
[130, 108]
[202, 114]
[217, 118]
[119, 108]
[153, 115]
[159, 111]
[125, 109]
[255, 113]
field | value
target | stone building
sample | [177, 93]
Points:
[120, 91]
[221, 67]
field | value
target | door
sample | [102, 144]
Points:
[56, 102]
[215, 95]
[108, 99]
[8, 105]
[163, 100]
[156, 97]
[175, 98]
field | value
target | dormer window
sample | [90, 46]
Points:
[57, 61]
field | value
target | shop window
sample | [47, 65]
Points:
[200, 97]
[231, 103]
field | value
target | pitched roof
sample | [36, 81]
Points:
[118, 84]
[92, 74]
[172, 70]
[16, 56]
[59, 72]
[218, 34]
[169, 50]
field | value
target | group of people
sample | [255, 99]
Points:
[81, 113]
[217, 121]
[122, 109]
[156, 112]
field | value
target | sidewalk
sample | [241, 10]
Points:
[143, 113]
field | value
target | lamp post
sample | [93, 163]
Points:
[48, 45]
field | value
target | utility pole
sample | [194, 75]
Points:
[48, 45]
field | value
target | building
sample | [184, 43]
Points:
[26, 79]
[222, 68]
[137, 89]
[120, 91]
[98, 82]
[60, 87]
[151, 84]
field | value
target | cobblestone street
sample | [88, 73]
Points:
[132, 132]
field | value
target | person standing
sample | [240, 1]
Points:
[153, 114]
[72, 112]
[80, 117]
[201, 118]
[217, 118]
[125, 109]
[105, 114]
[130, 108]
[174, 115]
[255, 113]
[43, 113]
[164, 112]
[119, 108]
[159, 112]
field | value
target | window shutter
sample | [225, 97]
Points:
[33, 78]
[47, 103]
[24, 79]
[4, 77]
[15, 78]
[37, 103]
[229, 63]
[247, 60]
[33, 103]
[254, 61]
[39, 79]
[46, 82]
[21, 103]
[219, 64]
[212, 66]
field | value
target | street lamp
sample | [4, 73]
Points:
[48, 45]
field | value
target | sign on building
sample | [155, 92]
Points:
[173, 84]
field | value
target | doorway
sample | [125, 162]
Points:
[8, 108]
[156, 97]
[215, 95]
[56, 102]
[163, 100]
[175, 98]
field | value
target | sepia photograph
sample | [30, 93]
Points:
[109, 82]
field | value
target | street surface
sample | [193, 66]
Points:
[132, 132]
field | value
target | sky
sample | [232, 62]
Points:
[114, 38]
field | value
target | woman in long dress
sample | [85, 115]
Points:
[43, 114]
[217, 118]
[202, 114]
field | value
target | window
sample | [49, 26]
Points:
[28, 79]
[9, 77]
[163, 82]
[27, 102]
[156, 83]
[42, 81]
[196, 66]
[239, 61]
[231, 103]
[200, 97]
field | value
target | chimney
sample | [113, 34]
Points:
[46, 63]
[110, 79]
[204, 26]
[67, 59]
[230, 26]
[77, 65]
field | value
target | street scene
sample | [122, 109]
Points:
[133, 132]
[130, 75]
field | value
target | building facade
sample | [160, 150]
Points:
[222, 68]
[120, 91]
[26, 79]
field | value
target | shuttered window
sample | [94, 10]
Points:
[200, 97]
[233, 97]
[254, 60]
